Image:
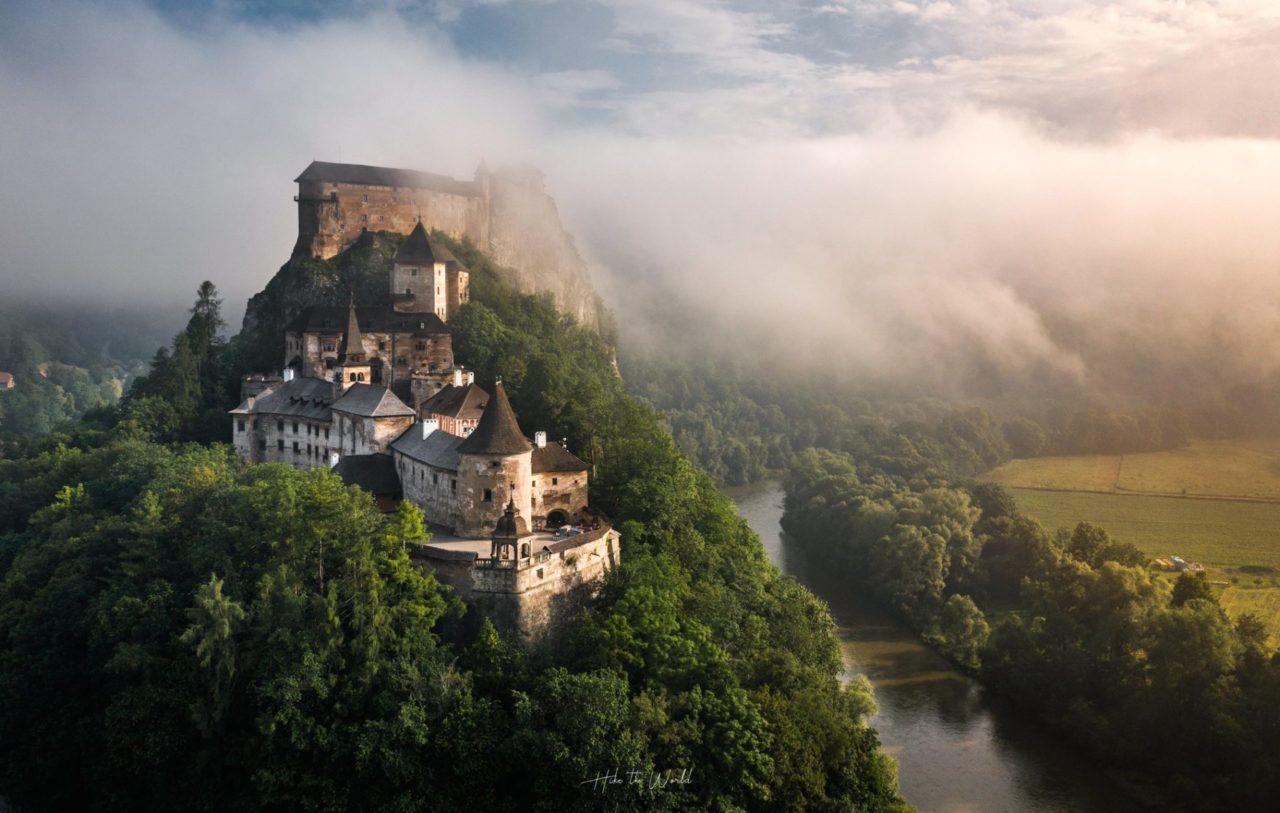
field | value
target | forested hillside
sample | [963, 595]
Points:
[1150, 677]
[179, 631]
[68, 359]
[740, 425]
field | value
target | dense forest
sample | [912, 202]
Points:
[68, 360]
[179, 631]
[1073, 626]
[740, 425]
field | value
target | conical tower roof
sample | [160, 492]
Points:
[497, 433]
[419, 249]
[352, 340]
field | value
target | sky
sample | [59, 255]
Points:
[946, 191]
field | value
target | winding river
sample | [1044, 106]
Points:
[956, 751]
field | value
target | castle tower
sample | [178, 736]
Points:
[427, 278]
[510, 536]
[494, 469]
[353, 365]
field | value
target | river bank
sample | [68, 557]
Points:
[957, 751]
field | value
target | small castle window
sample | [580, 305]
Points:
[420, 346]
[435, 478]
[240, 425]
[295, 447]
[413, 272]
[555, 481]
[279, 445]
[295, 427]
[408, 292]
[326, 434]
[279, 426]
[262, 444]
[453, 485]
[488, 495]
[366, 198]
[493, 464]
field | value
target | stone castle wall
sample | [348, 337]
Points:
[508, 215]
[332, 215]
[541, 596]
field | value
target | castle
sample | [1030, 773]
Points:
[375, 395]
[507, 213]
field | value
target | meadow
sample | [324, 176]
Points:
[1228, 520]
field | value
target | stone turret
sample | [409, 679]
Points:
[353, 366]
[427, 278]
[494, 468]
[511, 536]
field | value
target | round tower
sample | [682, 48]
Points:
[494, 469]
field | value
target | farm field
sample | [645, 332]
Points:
[1240, 469]
[1221, 534]
[1229, 519]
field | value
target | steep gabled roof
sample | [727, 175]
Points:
[465, 403]
[439, 449]
[302, 397]
[366, 175]
[420, 248]
[372, 401]
[333, 319]
[498, 432]
[553, 458]
[375, 473]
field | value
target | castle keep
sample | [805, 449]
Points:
[375, 395]
[506, 213]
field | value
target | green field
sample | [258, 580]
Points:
[1229, 519]
[1237, 469]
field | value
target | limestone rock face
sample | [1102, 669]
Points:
[507, 214]
[525, 234]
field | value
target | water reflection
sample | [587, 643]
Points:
[956, 751]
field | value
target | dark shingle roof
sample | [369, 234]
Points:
[465, 403]
[498, 432]
[439, 449]
[554, 457]
[366, 175]
[420, 248]
[304, 397]
[375, 473]
[352, 341]
[333, 319]
[372, 401]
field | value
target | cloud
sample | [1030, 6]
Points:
[942, 194]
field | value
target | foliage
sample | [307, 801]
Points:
[177, 631]
[739, 425]
[66, 361]
[1073, 626]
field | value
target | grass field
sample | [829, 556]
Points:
[1229, 518]
[1238, 469]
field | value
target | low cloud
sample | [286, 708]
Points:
[994, 195]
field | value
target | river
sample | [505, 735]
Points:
[956, 751]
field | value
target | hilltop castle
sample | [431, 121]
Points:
[375, 395]
[506, 213]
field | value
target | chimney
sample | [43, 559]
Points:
[471, 377]
[540, 439]
[288, 374]
[334, 457]
[457, 376]
[249, 401]
[429, 425]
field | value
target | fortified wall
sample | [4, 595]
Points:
[536, 596]
[507, 214]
